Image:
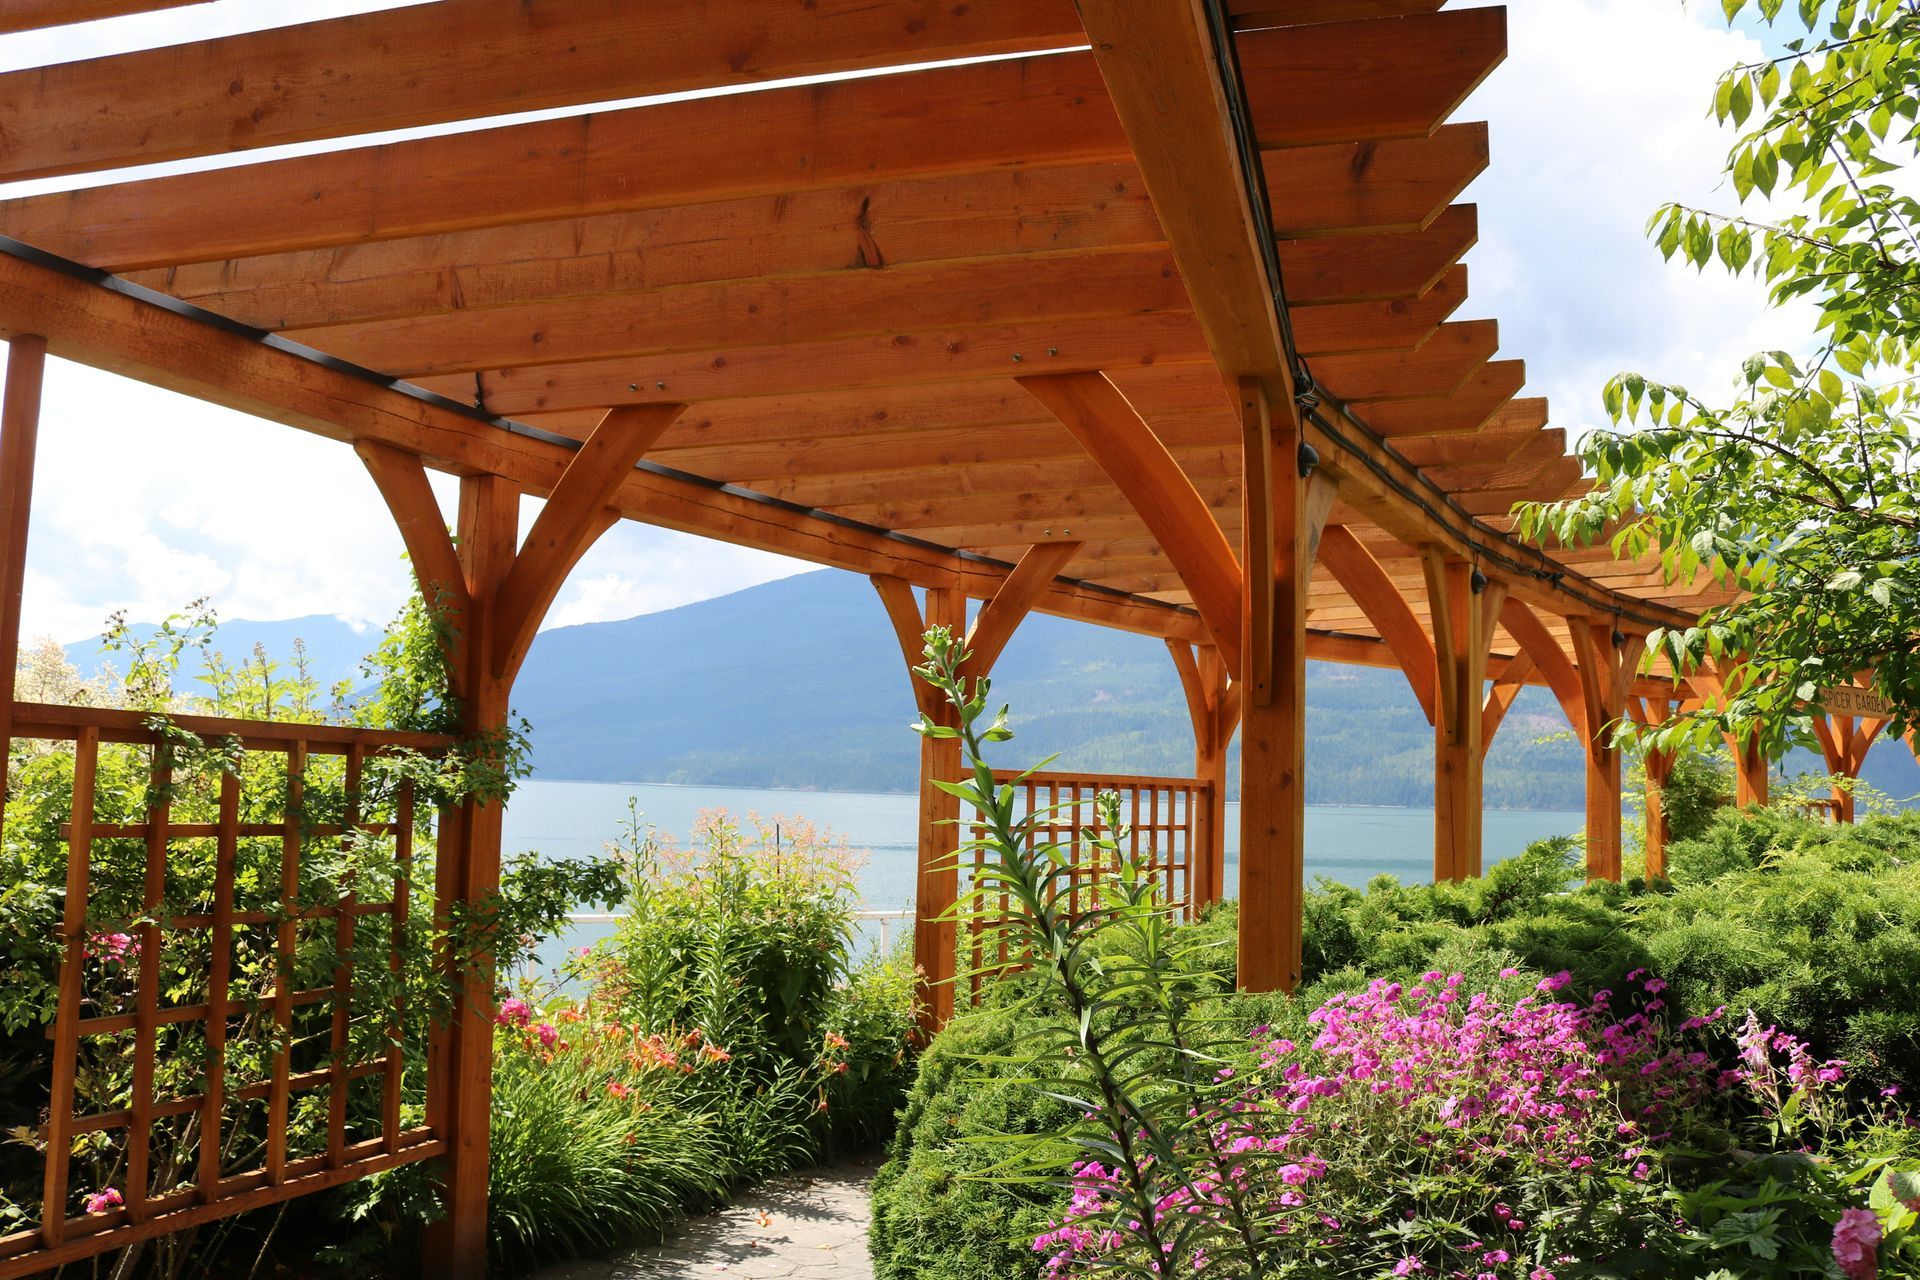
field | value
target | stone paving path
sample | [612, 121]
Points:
[808, 1226]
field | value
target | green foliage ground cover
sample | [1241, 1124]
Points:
[1816, 928]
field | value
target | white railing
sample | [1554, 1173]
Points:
[884, 919]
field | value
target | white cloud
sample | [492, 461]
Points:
[636, 569]
[1598, 117]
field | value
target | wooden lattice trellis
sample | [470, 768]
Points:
[289, 1046]
[1159, 815]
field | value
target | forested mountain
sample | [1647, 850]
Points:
[799, 683]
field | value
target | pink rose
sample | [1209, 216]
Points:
[1856, 1243]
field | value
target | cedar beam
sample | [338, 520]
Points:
[571, 522]
[19, 438]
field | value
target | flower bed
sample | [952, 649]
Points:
[1444, 1099]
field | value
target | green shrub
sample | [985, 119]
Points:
[937, 1214]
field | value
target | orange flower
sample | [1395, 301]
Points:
[836, 1041]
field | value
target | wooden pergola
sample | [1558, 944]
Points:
[1143, 314]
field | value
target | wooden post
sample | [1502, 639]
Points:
[937, 873]
[1750, 769]
[1463, 622]
[1284, 512]
[1844, 744]
[1213, 708]
[19, 433]
[1608, 659]
[468, 870]
[1658, 767]
[492, 593]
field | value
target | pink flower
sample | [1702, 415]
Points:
[1408, 1265]
[514, 1012]
[109, 1198]
[1856, 1242]
[548, 1036]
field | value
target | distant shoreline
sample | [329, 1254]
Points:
[890, 795]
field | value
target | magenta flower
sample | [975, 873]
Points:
[103, 1200]
[514, 1012]
[1408, 1265]
[548, 1036]
[1856, 1244]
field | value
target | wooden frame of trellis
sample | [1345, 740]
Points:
[214, 1191]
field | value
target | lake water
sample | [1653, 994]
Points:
[1348, 844]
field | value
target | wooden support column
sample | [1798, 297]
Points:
[1751, 771]
[1608, 659]
[491, 595]
[1844, 743]
[1213, 706]
[1658, 767]
[937, 871]
[1284, 513]
[19, 434]
[1463, 623]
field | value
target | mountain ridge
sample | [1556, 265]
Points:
[799, 683]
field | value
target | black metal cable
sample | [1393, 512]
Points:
[1435, 502]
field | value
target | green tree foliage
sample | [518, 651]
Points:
[1802, 488]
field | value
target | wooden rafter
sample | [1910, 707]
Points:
[30, 15]
[428, 64]
[111, 331]
[1439, 367]
[834, 135]
[1391, 188]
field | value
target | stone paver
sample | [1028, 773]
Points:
[804, 1226]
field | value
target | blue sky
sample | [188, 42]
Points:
[146, 500]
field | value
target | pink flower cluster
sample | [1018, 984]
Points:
[114, 948]
[1473, 1087]
[1802, 1087]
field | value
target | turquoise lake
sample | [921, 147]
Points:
[1348, 844]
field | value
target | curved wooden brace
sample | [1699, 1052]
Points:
[998, 618]
[1355, 568]
[1549, 659]
[402, 480]
[572, 521]
[909, 629]
[1500, 698]
[1189, 672]
[1113, 433]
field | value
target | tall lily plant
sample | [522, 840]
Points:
[1142, 1066]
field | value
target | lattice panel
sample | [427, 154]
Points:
[1159, 816]
[231, 992]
